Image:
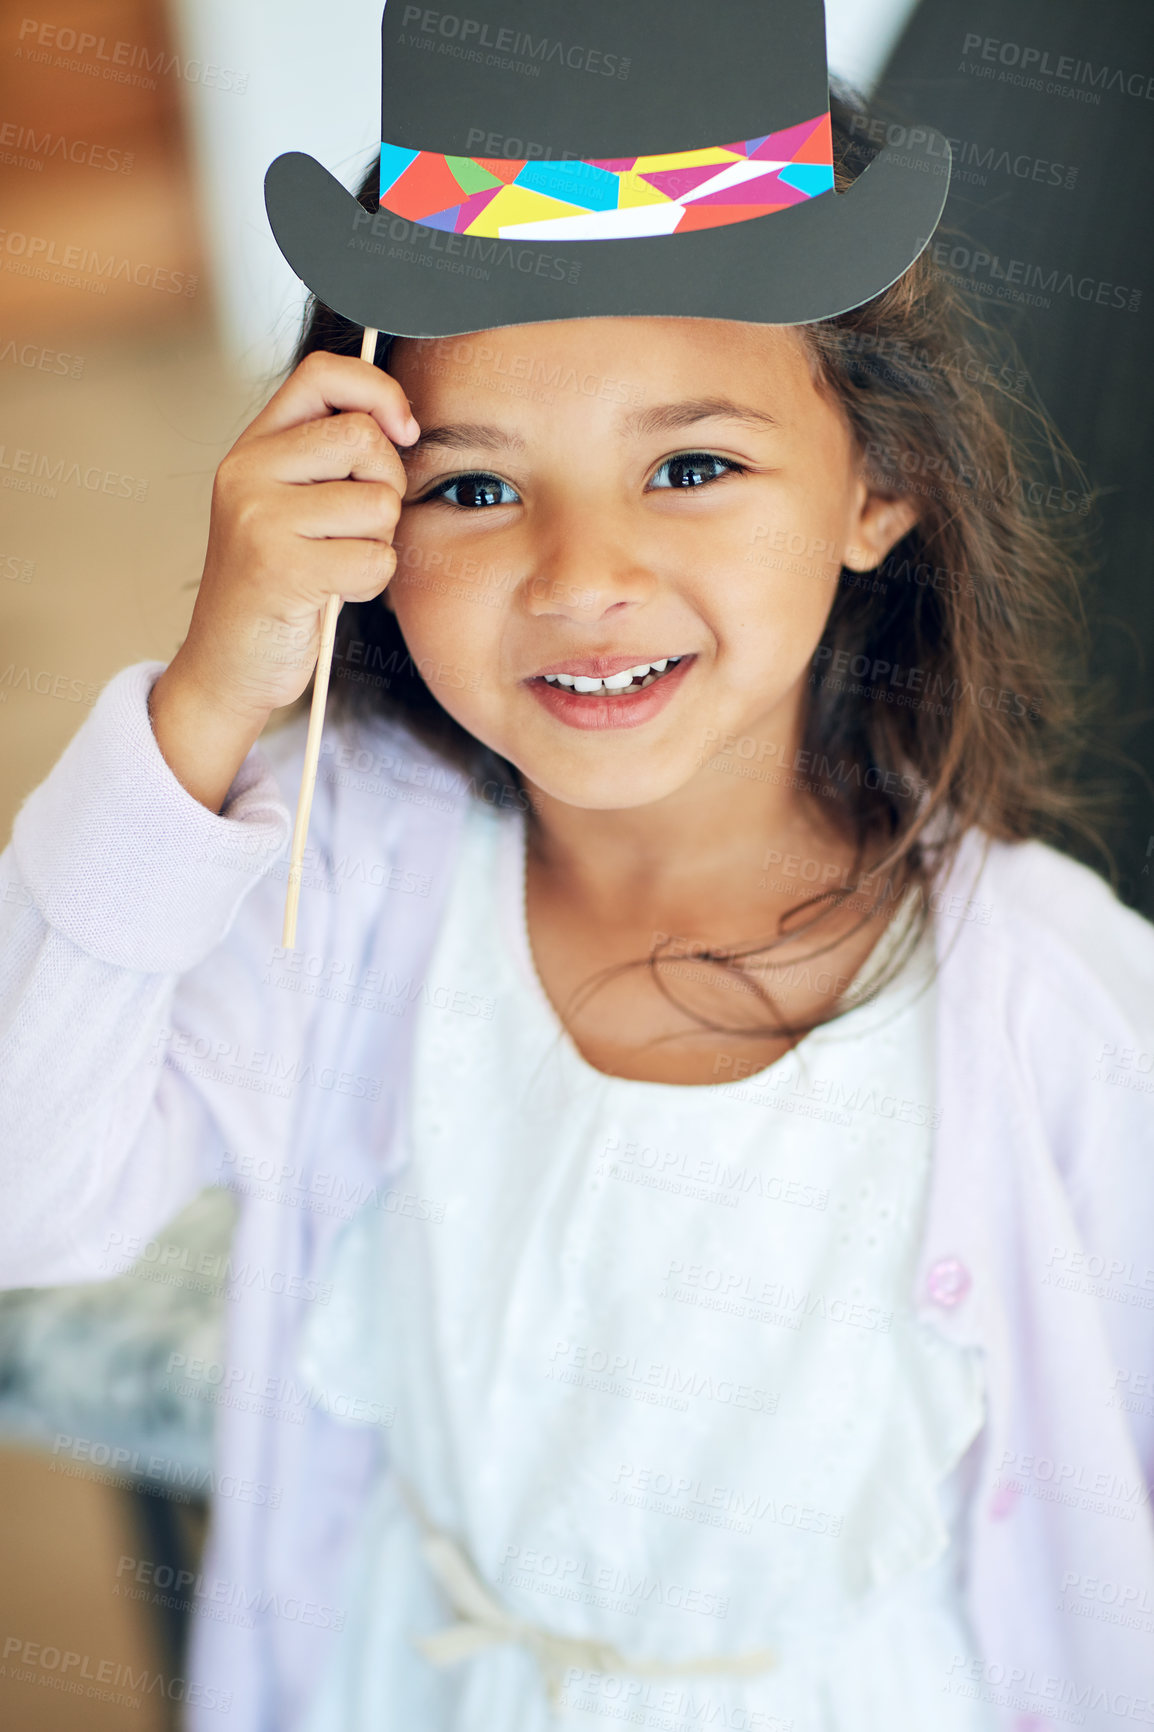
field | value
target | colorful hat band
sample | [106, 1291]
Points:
[612, 199]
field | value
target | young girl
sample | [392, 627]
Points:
[696, 1165]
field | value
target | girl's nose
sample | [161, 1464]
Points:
[587, 567]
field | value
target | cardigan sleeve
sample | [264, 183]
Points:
[1108, 1143]
[1089, 1005]
[122, 943]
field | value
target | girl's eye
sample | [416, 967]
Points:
[474, 491]
[694, 470]
[480, 489]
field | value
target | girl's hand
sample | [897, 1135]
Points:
[304, 506]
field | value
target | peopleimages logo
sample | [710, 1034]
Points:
[436, 249]
[83, 267]
[16, 140]
[214, 1596]
[448, 32]
[70, 50]
[75, 1674]
[1015, 279]
[43, 473]
[1026, 65]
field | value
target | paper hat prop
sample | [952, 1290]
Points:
[543, 160]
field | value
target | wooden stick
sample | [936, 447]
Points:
[313, 738]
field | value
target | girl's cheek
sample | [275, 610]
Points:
[423, 573]
[468, 575]
[411, 548]
[446, 616]
[793, 566]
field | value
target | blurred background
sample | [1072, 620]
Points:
[145, 313]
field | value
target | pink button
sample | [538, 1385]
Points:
[1002, 1502]
[948, 1281]
[1031, 1723]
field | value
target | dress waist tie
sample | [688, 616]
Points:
[484, 1622]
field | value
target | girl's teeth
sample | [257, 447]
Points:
[642, 675]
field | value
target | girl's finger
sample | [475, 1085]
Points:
[334, 448]
[356, 570]
[325, 383]
[345, 510]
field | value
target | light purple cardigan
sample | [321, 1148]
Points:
[153, 1039]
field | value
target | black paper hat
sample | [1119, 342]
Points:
[546, 159]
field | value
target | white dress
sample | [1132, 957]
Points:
[654, 1373]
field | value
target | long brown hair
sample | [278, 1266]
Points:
[947, 691]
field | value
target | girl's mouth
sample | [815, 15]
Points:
[623, 699]
[633, 679]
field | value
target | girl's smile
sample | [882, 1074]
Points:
[564, 536]
[597, 692]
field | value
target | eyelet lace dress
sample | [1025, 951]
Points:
[668, 1447]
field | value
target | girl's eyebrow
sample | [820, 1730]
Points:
[660, 418]
[667, 417]
[465, 436]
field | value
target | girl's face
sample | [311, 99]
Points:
[669, 496]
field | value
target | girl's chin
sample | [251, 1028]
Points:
[617, 779]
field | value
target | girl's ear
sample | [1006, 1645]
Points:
[882, 521]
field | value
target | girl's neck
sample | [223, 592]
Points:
[710, 839]
[602, 899]
[718, 866]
